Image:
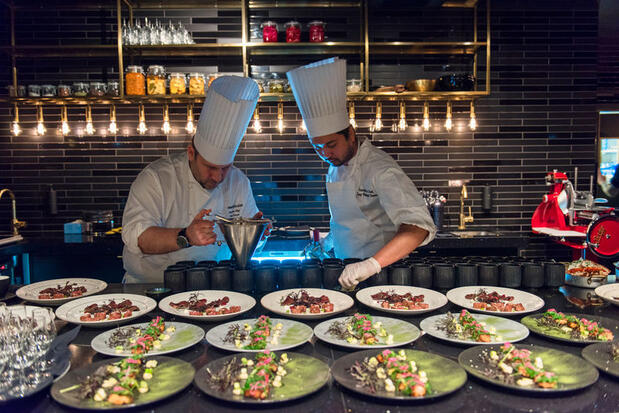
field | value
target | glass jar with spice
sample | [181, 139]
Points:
[48, 90]
[64, 91]
[113, 89]
[80, 89]
[293, 32]
[196, 83]
[316, 31]
[134, 81]
[276, 86]
[178, 85]
[269, 32]
[155, 80]
[34, 91]
[97, 89]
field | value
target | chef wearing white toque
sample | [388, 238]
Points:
[376, 211]
[165, 216]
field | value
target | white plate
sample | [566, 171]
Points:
[31, 292]
[23, 310]
[509, 330]
[435, 299]
[237, 299]
[531, 302]
[608, 292]
[341, 302]
[185, 336]
[293, 334]
[403, 333]
[73, 310]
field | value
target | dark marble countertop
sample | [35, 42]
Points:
[475, 396]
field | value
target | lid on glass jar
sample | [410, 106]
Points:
[269, 24]
[63, 86]
[135, 69]
[47, 86]
[156, 70]
[80, 84]
[316, 23]
[196, 74]
[112, 82]
[177, 74]
[97, 84]
[293, 23]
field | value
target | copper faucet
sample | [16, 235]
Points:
[463, 218]
[15, 223]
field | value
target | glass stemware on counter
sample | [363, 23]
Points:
[147, 33]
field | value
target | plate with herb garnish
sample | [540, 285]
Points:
[572, 328]
[263, 377]
[123, 382]
[467, 328]
[153, 338]
[258, 334]
[495, 300]
[604, 356]
[398, 374]
[401, 299]
[307, 303]
[207, 305]
[528, 368]
[361, 331]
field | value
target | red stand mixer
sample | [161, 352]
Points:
[572, 218]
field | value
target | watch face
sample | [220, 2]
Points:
[182, 242]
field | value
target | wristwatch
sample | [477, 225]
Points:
[181, 239]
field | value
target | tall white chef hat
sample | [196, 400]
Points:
[320, 91]
[227, 110]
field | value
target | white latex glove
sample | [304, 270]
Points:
[354, 273]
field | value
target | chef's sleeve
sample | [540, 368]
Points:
[402, 202]
[144, 209]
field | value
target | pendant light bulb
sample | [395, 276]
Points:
[402, 125]
[166, 120]
[280, 117]
[190, 128]
[142, 121]
[64, 126]
[303, 127]
[15, 129]
[351, 115]
[257, 126]
[40, 125]
[473, 121]
[378, 123]
[448, 121]
[113, 128]
[426, 116]
[90, 129]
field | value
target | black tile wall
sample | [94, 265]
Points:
[541, 114]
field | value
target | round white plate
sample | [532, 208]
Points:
[531, 302]
[236, 299]
[30, 292]
[403, 333]
[293, 334]
[26, 310]
[508, 330]
[73, 310]
[341, 302]
[608, 292]
[185, 336]
[434, 299]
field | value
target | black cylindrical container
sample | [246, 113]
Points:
[52, 199]
[265, 279]
[174, 278]
[382, 278]
[311, 276]
[221, 277]
[330, 275]
[444, 276]
[288, 277]
[290, 263]
[422, 275]
[243, 280]
[488, 274]
[466, 274]
[511, 275]
[198, 278]
[351, 261]
[229, 263]
[554, 274]
[332, 261]
[207, 263]
[311, 261]
[400, 275]
[532, 275]
[187, 264]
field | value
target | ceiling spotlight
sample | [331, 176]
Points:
[64, 119]
[141, 120]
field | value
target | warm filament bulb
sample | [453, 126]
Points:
[15, 128]
[473, 123]
[303, 127]
[113, 128]
[448, 124]
[90, 129]
[426, 124]
[142, 127]
[41, 128]
[402, 125]
[189, 127]
[353, 122]
[64, 128]
[280, 125]
[378, 124]
[257, 126]
[166, 127]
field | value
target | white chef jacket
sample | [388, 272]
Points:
[376, 191]
[166, 194]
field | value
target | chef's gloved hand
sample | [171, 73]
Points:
[354, 273]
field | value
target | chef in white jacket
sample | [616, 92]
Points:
[376, 211]
[168, 213]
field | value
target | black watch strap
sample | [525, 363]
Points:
[182, 240]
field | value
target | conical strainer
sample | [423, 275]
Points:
[242, 236]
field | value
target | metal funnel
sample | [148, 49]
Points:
[242, 236]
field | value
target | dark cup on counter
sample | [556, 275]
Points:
[510, 275]
[532, 275]
[243, 280]
[444, 276]
[187, 264]
[466, 274]
[330, 275]
[554, 274]
[382, 278]
[311, 276]
[332, 261]
[347, 261]
[265, 278]
[174, 278]
[207, 263]
[198, 278]
[221, 277]
[421, 275]
[488, 274]
[288, 276]
[400, 274]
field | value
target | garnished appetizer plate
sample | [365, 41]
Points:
[235, 378]
[121, 383]
[105, 310]
[362, 331]
[307, 303]
[572, 328]
[528, 368]
[207, 305]
[495, 300]
[401, 299]
[608, 292]
[60, 291]
[154, 338]
[472, 329]
[258, 334]
[604, 356]
[398, 374]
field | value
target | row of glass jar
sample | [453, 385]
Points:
[273, 86]
[78, 89]
[293, 31]
[137, 83]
